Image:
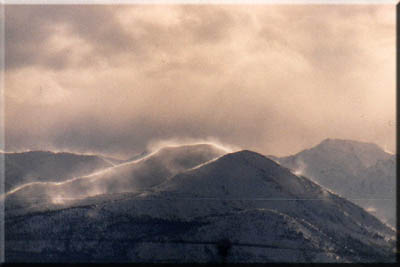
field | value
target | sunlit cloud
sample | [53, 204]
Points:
[115, 79]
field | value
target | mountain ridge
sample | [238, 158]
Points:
[359, 171]
[35, 166]
[244, 202]
[129, 176]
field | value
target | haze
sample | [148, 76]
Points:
[273, 79]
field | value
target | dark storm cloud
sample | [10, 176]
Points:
[275, 79]
[29, 28]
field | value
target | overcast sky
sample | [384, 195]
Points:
[274, 79]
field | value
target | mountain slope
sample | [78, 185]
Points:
[128, 177]
[241, 207]
[25, 167]
[360, 172]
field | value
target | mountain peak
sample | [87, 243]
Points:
[191, 147]
[194, 200]
[356, 170]
[249, 157]
[346, 142]
[243, 174]
[367, 153]
[245, 154]
[200, 153]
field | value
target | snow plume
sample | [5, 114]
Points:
[109, 162]
[371, 209]
[205, 163]
[65, 150]
[157, 145]
[386, 223]
[18, 151]
[300, 168]
[387, 150]
[129, 176]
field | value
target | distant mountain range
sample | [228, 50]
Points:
[45, 166]
[361, 172]
[192, 204]
[132, 176]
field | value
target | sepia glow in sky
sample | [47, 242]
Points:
[273, 79]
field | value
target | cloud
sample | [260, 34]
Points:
[275, 79]
[31, 32]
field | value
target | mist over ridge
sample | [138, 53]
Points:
[236, 196]
[199, 133]
[130, 176]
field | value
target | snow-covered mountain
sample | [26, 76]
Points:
[33, 166]
[131, 176]
[241, 207]
[361, 172]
